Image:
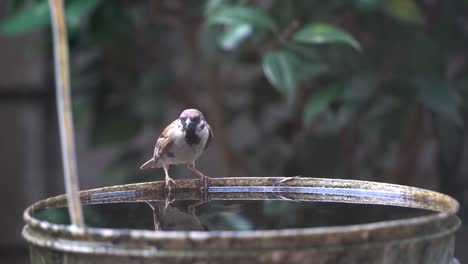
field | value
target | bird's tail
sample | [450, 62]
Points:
[149, 164]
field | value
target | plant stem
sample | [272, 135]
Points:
[65, 117]
[287, 33]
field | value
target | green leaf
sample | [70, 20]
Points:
[319, 102]
[239, 14]
[440, 97]
[77, 9]
[404, 10]
[36, 15]
[234, 36]
[33, 16]
[324, 33]
[212, 6]
[281, 69]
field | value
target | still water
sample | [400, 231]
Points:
[215, 215]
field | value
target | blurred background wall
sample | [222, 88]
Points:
[364, 89]
[23, 106]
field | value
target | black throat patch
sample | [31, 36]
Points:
[191, 137]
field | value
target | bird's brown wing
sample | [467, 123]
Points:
[164, 142]
[210, 137]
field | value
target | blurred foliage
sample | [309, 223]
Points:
[334, 88]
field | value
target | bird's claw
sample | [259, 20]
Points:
[203, 178]
[169, 184]
[204, 182]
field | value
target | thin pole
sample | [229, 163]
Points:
[64, 110]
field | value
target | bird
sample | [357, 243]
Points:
[182, 142]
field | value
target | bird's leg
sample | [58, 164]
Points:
[203, 178]
[169, 199]
[169, 180]
[157, 224]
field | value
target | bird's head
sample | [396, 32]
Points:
[192, 119]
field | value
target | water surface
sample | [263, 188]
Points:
[268, 214]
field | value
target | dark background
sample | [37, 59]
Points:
[363, 89]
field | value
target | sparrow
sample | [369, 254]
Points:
[182, 142]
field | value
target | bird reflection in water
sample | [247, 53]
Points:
[169, 217]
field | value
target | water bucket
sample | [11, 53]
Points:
[426, 236]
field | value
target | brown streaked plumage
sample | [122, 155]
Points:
[182, 142]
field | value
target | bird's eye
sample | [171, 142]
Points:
[196, 119]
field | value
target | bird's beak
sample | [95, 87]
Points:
[188, 123]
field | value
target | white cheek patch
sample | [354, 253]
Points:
[201, 126]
